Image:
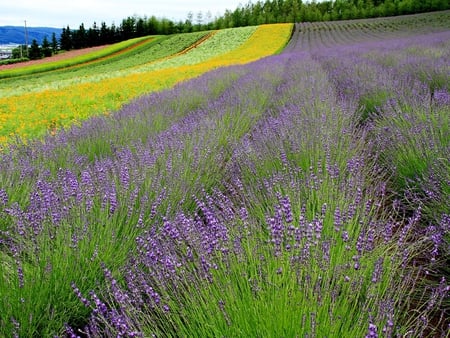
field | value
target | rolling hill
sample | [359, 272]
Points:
[16, 34]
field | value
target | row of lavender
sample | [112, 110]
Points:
[83, 197]
[315, 35]
[401, 90]
[259, 200]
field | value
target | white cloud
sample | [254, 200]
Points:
[53, 13]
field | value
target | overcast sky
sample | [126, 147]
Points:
[60, 13]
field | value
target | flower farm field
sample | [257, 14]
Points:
[259, 188]
[32, 105]
[154, 49]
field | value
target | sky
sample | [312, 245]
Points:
[60, 13]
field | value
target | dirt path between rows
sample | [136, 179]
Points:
[57, 57]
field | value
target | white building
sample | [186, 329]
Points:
[6, 51]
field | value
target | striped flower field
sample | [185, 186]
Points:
[300, 194]
[30, 108]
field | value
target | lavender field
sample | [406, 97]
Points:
[301, 195]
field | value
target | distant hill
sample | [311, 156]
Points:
[16, 34]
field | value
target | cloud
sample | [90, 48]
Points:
[52, 13]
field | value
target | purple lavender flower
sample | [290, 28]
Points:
[70, 332]
[112, 198]
[88, 188]
[436, 236]
[337, 219]
[16, 328]
[287, 210]
[78, 293]
[318, 227]
[372, 331]
[100, 308]
[3, 198]
[20, 275]
[276, 230]
[378, 270]
[441, 97]
[124, 177]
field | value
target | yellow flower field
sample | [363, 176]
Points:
[36, 114]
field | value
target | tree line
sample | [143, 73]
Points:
[36, 51]
[250, 14]
[258, 13]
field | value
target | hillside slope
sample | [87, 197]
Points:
[16, 34]
[33, 105]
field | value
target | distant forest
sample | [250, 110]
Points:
[260, 12]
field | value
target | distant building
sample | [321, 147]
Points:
[6, 51]
[5, 54]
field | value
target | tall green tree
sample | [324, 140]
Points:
[46, 49]
[80, 37]
[127, 28]
[104, 34]
[152, 25]
[34, 52]
[65, 40]
[54, 43]
[141, 27]
[93, 36]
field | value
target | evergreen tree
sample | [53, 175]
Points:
[35, 51]
[54, 44]
[66, 39]
[93, 35]
[46, 49]
[141, 29]
[80, 37]
[237, 18]
[127, 28]
[114, 34]
[107, 34]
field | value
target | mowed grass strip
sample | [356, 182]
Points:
[96, 55]
[37, 114]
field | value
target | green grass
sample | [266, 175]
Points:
[42, 304]
[371, 104]
[107, 51]
[417, 156]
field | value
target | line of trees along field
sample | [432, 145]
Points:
[260, 12]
